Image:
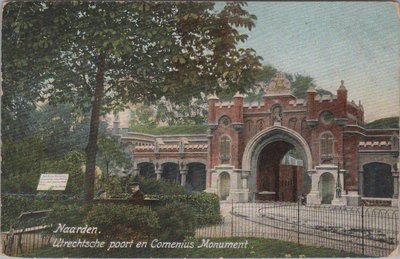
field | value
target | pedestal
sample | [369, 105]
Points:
[313, 198]
[339, 201]
[353, 198]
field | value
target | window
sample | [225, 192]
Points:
[327, 117]
[225, 149]
[225, 121]
[326, 146]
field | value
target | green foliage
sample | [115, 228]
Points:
[72, 214]
[72, 163]
[13, 206]
[205, 205]
[97, 54]
[115, 187]
[171, 130]
[22, 157]
[111, 153]
[385, 123]
[144, 115]
[155, 187]
[177, 221]
[124, 222]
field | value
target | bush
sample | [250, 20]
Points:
[123, 221]
[72, 214]
[153, 187]
[205, 206]
[177, 221]
[13, 206]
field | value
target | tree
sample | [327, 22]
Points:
[102, 55]
[111, 151]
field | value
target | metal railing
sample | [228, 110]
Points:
[369, 231]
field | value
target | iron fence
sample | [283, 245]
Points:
[369, 231]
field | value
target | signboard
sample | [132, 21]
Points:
[52, 182]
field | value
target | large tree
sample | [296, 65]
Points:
[102, 55]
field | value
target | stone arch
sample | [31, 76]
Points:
[146, 169]
[265, 137]
[381, 158]
[326, 186]
[171, 172]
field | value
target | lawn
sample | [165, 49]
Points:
[257, 247]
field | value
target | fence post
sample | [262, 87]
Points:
[298, 221]
[362, 228]
[232, 220]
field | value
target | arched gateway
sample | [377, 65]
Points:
[265, 151]
[277, 149]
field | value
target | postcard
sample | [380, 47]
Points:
[142, 129]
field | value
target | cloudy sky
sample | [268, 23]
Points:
[354, 42]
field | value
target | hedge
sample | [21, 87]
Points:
[205, 205]
[124, 222]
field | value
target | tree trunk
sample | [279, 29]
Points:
[91, 148]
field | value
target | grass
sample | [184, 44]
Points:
[257, 247]
[171, 130]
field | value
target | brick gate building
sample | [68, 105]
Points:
[278, 149]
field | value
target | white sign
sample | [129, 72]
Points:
[52, 182]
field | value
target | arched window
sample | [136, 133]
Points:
[225, 149]
[326, 146]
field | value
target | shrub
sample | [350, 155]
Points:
[177, 222]
[205, 206]
[13, 206]
[153, 186]
[123, 221]
[72, 214]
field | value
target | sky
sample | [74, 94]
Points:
[333, 41]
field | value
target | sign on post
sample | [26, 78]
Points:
[52, 182]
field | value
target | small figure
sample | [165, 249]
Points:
[277, 114]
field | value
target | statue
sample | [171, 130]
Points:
[277, 114]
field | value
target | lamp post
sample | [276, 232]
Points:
[338, 184]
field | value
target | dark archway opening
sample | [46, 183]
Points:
[279, 179]
[170, 173]
[196, 177]
[378, 180]
[146, 170]
[326, 187]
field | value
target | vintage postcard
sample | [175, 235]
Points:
[142, 129]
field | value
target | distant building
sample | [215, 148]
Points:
[243, 158]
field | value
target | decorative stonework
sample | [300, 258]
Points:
[341, 121]
[279, 85]
[238, 126]
[312, 123]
